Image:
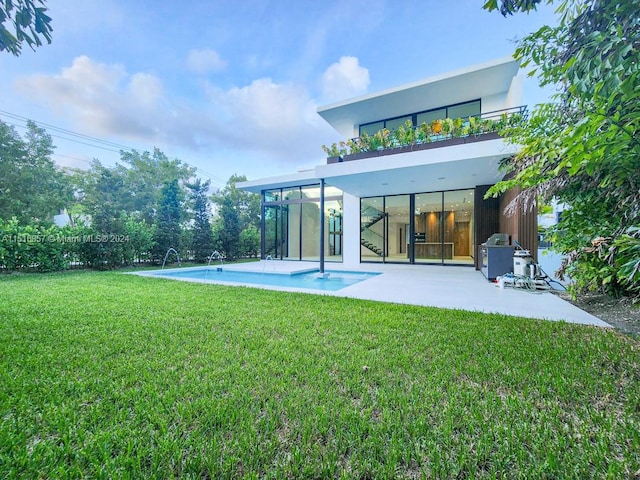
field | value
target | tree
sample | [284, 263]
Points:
[584, 147]
[202, 241]
[145, 175]
[29, 22]
[509, 7]
[168, 229]
[32, 188]
[228, 227]
[247, 204]
[250, 241]
[237, 211]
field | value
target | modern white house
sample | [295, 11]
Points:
[416, 199]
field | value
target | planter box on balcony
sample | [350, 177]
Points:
[417, 147]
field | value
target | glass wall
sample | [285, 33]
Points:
[310, 234]
[397, 214]
[428, 221]
[458, 226]
[291, 223]
[441, 222]
[461, 110]
[372, 229]
[272, 231]
[291, 214]
[333, 230]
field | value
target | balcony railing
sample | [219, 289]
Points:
[409, 137]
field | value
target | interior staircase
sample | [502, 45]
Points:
[369, 239]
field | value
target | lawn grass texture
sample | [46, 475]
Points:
[107, 375]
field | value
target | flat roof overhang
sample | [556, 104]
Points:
[478, 81]
[453, 168]
[307, 177]
[450, 168]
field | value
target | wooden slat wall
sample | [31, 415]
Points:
[523, 226]
[489, 219]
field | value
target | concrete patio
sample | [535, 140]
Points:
[437, 286]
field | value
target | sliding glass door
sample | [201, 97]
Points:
[424, 228]
[428, 222]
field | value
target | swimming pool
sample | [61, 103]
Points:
[332, 281]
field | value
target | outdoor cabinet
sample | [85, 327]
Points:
[496, 260]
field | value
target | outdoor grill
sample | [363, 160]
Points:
[496, 256]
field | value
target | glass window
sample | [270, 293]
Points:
[310, 231]
[330, 191]
[291, 193]
[311, 191]
[272, 231]
[371, 128]
[272, 195]
[333, 231]
[291, 225]
[372, 229]
[428, 228]
[458, 226]
[394, 123]
[397, 213]
[465, 110]
[428, 117]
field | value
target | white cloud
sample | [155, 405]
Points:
[204, 61]
[344, 79]
[264, 120]
[279, 119]
[105, 100]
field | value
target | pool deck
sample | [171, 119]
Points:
[435, 286]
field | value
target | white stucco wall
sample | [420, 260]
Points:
[515, 95]
[493, 103]
[351, 230]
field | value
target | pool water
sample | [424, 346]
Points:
[336, 280]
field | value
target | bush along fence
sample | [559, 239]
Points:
[408, 135]
[50, 248]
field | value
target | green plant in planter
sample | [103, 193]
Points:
[334, 150]
[448, 127]
[489, 125]
[458, 128]
[502, 123]
[405, 135]
[474, 125]
[365, 142]
[381, 140]
[424, 133]
[354, 146]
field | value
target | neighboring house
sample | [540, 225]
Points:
[419, 204]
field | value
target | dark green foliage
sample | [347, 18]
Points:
[237, 211]
[202, 233]
[509, 7]
[250, 241]
[29, 23]
[584, 148]
[167, 226]
[144, 177]
[32, 188]
[33, 247]
[228, 228]
[139, 239]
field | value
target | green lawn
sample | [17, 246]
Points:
[106, 375]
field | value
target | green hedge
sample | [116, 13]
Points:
[51, 248]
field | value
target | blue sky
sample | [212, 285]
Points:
[233, 87]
